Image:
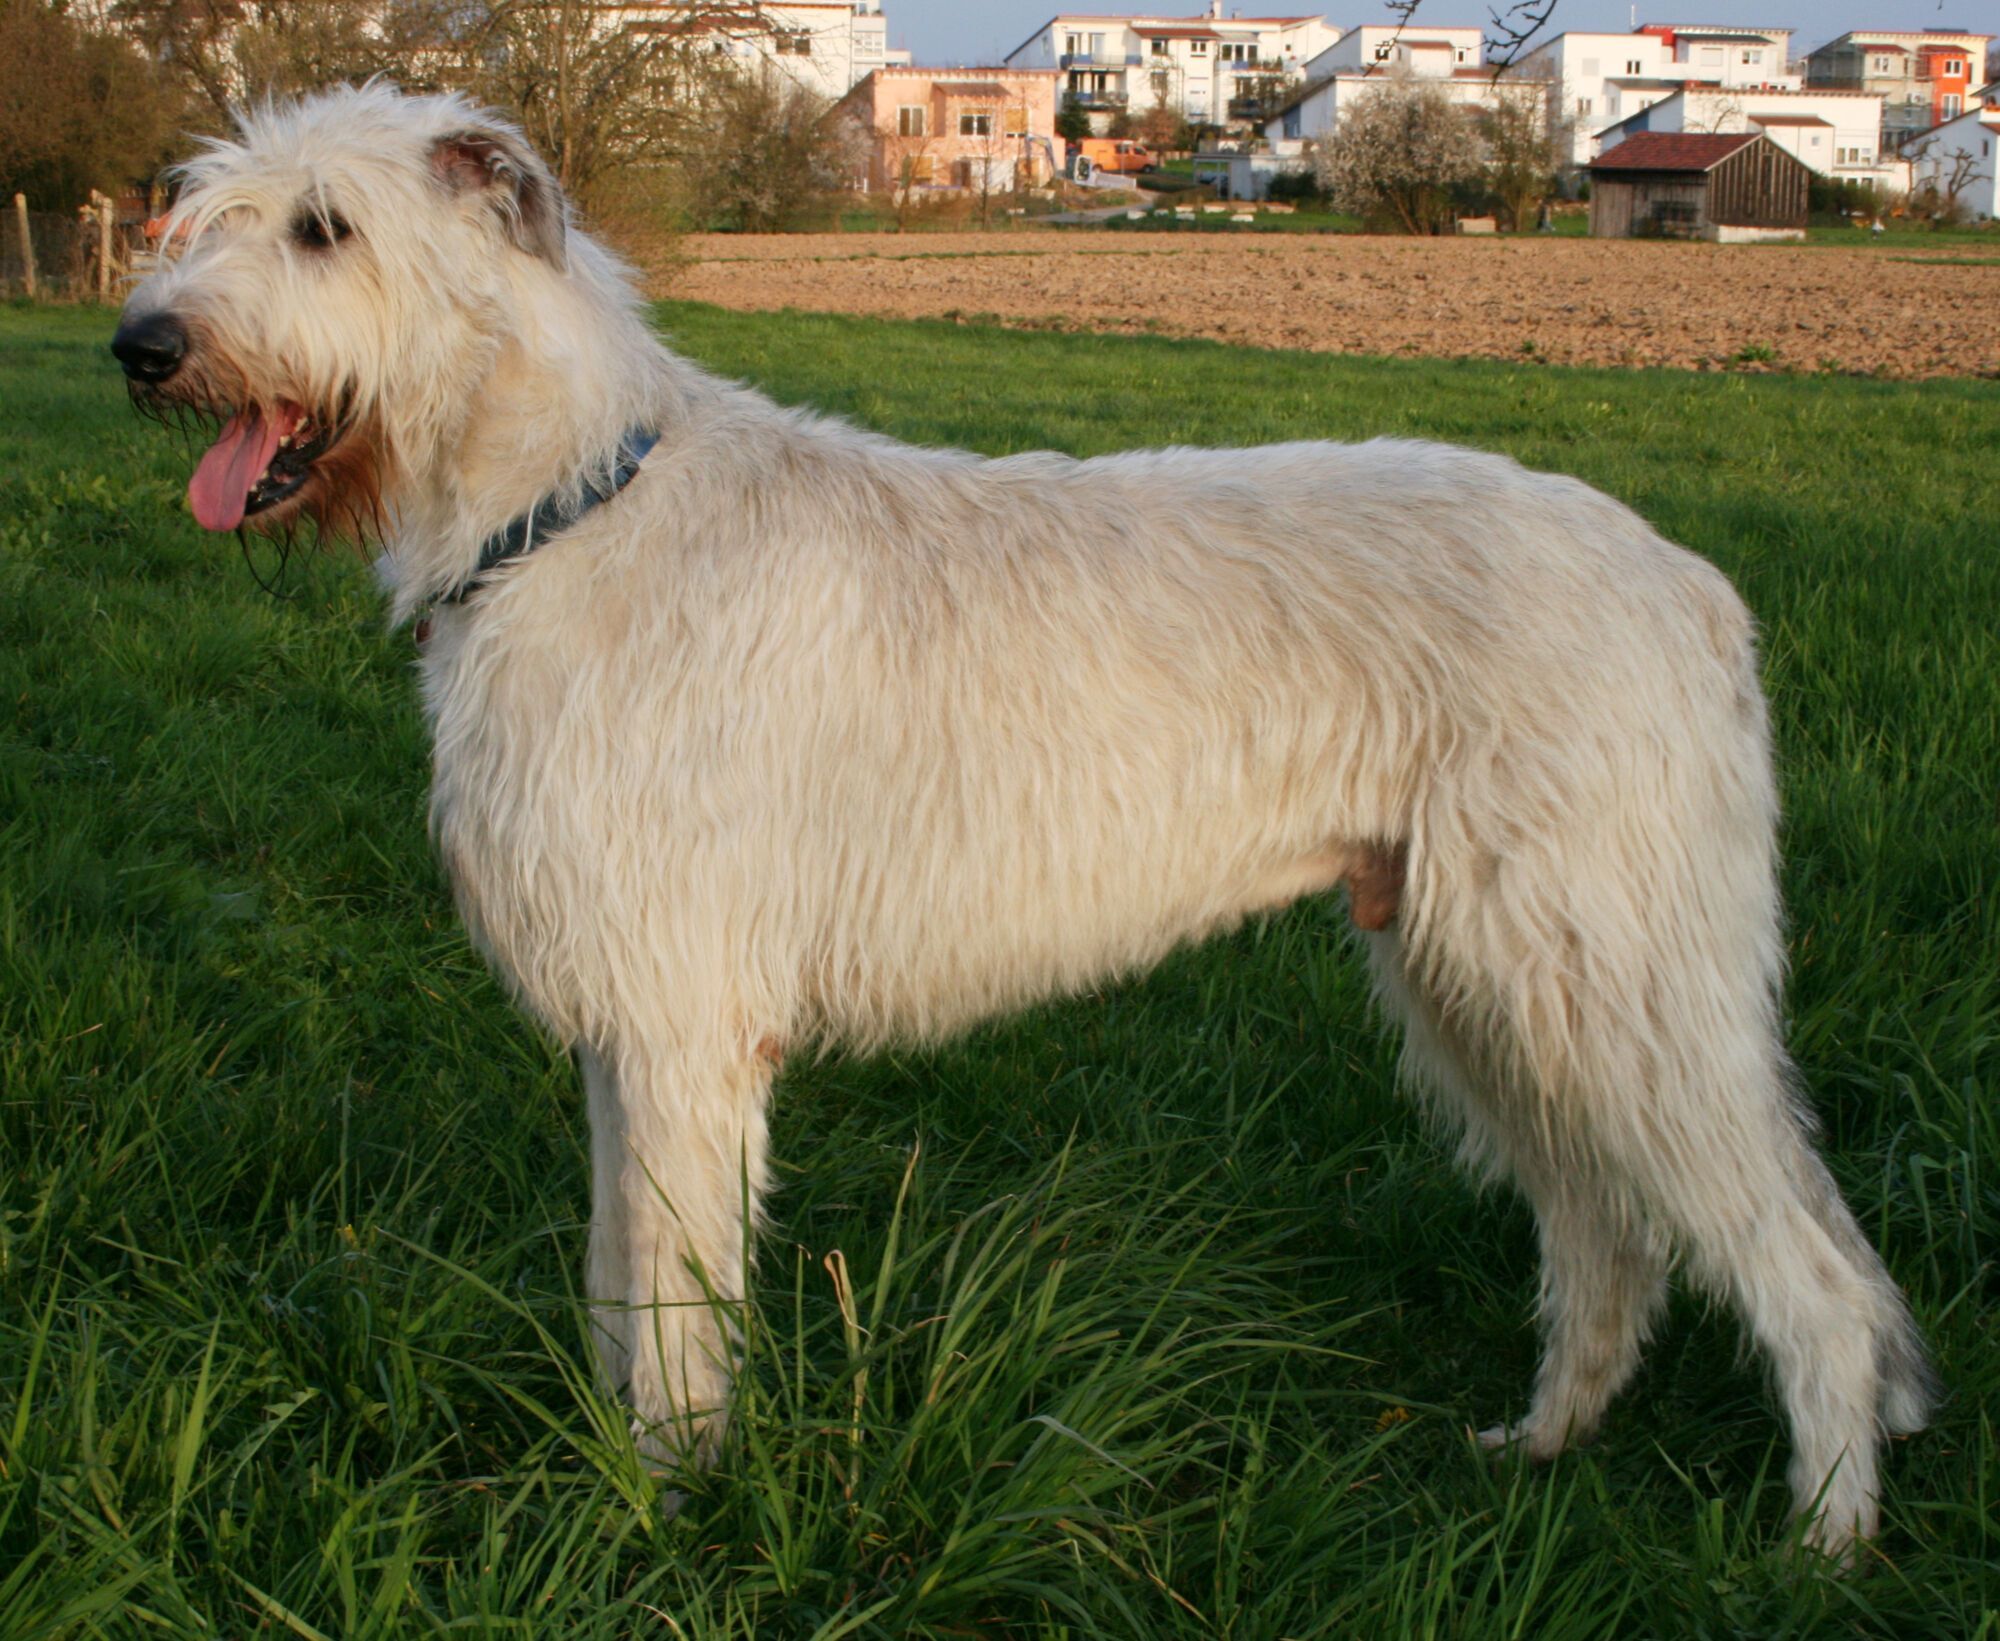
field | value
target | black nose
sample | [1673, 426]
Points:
[151, 348]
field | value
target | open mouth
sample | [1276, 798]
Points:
[261, 459]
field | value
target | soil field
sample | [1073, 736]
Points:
[1565, 301]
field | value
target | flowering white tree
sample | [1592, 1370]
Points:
[1399, 153]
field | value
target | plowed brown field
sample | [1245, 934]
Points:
[1571, 301]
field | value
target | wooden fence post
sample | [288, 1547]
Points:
[105, 208]
[27, 243]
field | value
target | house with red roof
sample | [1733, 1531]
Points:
[1924, 76]
[1210, 68]
[1835, 133]
[1596, 80]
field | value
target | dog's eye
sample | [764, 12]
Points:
[320, 233]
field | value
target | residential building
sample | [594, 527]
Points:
[1365, 60]
[1924, 78]
[827, 46]
[1431, 53]
[1731, 189]
[1961, 158]
[1728, 54]
[987, 130]
[1211, 69]
[1597, 80]
[1835, 133]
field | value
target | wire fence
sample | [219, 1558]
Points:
[82, 255]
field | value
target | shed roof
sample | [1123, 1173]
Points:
[1788, 119]
[1672, 151]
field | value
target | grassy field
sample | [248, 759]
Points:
[1166, 1317]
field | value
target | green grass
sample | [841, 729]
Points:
[1164, 1316]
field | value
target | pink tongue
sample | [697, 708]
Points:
[220, 488]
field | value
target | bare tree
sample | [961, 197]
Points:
[1399, 154]
[993, 155]
[1944, 176]
[766, 148]
[1526, 145]
[909, 159]
[224, 52]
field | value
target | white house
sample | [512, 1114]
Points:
[1598, 80]
[1209, 67]
[1430, 53]
[827, 46]
[1964, 152]
[1361, 63]
[1835, 133]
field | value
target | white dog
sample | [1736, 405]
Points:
[755, 731]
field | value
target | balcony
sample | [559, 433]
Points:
[1097, 99]
[1100, 59]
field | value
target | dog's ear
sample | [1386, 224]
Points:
[495, 159]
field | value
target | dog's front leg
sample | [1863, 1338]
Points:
[677, 1139]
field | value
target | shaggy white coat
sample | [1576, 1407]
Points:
[813, 736]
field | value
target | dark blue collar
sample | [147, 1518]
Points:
[549, 517]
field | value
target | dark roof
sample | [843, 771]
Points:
[1788, 119]
[969, 88]
[1672, 151]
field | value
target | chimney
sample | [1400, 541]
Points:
[1215, 11]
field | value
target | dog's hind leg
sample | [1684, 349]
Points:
[1628, 1032]
[1604, 1271]
[678, 1140]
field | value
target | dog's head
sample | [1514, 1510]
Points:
[325, 295]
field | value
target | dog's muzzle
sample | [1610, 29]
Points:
[151, 348]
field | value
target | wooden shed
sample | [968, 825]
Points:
[1692, 185]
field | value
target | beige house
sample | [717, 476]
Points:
[986, 130]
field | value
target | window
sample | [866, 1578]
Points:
[1951, 106]
[1198, 48]
[1159, 48]
[1583, 105]
[920, 167]
[1634, 66]
[1382, 52]
[1752, 56]
[910, 120]
[1881, 65]
[976, 122]
[1162, 85]
[1953, 68]
[1711, 56]
[1591, 68]
[798, 45]
[1073, 45]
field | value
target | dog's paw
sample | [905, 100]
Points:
[1528, 1438]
